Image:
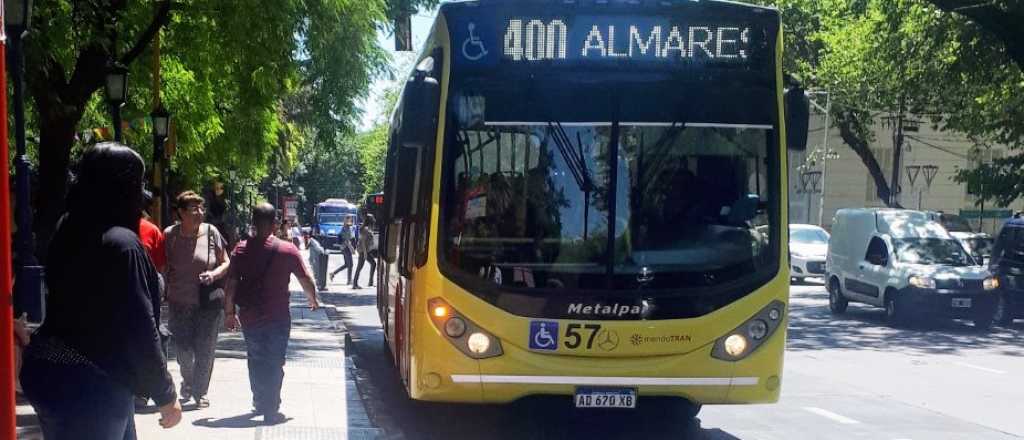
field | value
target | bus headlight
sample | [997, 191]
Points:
[465, 335]
[735, 345]
[455, 327]
[990, 283]
[478, 343]
[750, 335]
[758, 329]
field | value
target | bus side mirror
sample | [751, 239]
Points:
[416, 133]
[798, 115]
[420, 108]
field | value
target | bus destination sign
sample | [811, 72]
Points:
[537, 40]
[608, 40]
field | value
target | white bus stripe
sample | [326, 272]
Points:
[630, 124]
[831, 415]
[598, 380]
[977, 367]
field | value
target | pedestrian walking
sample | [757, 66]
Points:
[99, 345]
[261, 269]
[345, 239]
[152, 239]
[296, 234]
[317, 260]
[197, 261]
[367, 250]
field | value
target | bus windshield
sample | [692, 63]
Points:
[545, 205]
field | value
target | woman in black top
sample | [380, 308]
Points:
[99, 345]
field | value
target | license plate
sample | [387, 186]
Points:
[962, 303]
[605, 397]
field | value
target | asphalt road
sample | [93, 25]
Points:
[846, 377]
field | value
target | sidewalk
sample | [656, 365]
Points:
[318, 398]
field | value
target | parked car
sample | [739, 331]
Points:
[979, 244]
[808, 245]
[1008, 266]
[907, 263]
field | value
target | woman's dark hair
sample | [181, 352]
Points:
[108, 188]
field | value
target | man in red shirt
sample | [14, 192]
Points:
[151, 236]
[257, 282]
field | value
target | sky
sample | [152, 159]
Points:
[421, 23]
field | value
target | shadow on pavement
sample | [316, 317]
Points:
[546, 417]
[813, 327]
[247, 420]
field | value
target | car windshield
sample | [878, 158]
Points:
[808, 236]
[955, 223]
[547, 205]
[979, 246]
[943, 251]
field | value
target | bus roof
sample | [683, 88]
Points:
[613, 3]
[336, 202]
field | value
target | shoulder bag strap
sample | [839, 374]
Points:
[209, 247]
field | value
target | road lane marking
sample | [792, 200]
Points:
[977, 367]
[831, 415]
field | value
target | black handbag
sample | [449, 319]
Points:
[211, 295]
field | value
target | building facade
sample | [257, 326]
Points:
[930, 160]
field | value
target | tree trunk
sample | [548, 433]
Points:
[848, 124]
[56, 137]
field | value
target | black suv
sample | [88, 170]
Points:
[1008, 265]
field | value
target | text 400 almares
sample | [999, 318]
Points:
[536, 40]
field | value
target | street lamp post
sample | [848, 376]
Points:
[827, 155]
[161, 130]
[117, 93]
[28, 279]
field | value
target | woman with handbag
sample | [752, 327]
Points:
[197, 261]
[99, 345]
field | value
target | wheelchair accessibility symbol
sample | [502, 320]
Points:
[473, 49]
[543, 335]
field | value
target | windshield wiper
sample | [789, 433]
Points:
[577, 164]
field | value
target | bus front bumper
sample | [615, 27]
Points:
[519, 373]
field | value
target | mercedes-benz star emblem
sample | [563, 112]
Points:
[646, 275]
[607, 340]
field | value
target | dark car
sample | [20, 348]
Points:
[1008, 265]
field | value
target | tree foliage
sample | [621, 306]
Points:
[226, 71]
[943, 60]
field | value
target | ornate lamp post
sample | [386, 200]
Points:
[161, 130]
[28, 278]
[117, 93]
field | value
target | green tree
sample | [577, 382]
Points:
[948, 61]
[226, 68]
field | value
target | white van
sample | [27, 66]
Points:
[907, 263]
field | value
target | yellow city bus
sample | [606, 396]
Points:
[588, 199]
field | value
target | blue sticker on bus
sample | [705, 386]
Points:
[543, 335]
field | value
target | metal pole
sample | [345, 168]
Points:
[115, 111]
[23, 214]
[824, 161]
[897, 155]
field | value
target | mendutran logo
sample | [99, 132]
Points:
[605, 310]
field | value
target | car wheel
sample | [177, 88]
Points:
[1002, 314]
[837, 303]
[894, 313]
